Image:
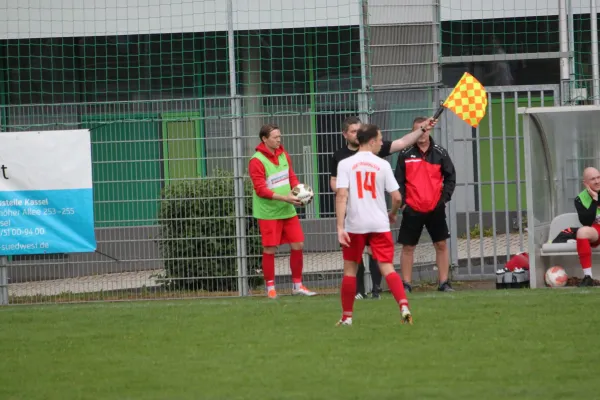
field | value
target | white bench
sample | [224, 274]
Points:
[559, 223]
[563, 254]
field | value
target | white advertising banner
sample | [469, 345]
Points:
[46, 195]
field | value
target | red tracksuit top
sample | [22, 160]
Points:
[425, 179]
[257, 173]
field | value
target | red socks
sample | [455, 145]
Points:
[296, 262]
[348, 292]
[394, 282]
[585, 253]
[268, 266]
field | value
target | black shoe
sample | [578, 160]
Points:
[407, 287]
[360, 296]
[376, 292]
[586, 281]
[445, 287]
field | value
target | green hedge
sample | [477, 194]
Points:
[198, 236]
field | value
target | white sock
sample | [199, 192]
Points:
[297, 285]
[270, 285]
[587, 271]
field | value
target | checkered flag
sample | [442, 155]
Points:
[468, 100]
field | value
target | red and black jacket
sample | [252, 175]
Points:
[427, 180]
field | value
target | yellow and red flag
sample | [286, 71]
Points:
[468, 100]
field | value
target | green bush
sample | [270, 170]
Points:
[198, 236]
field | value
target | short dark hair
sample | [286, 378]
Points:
[418, 120]
[265, 131]
[366, 133]
[350, 121]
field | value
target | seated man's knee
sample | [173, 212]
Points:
[297, 246]
[440, 246]
[586, 232]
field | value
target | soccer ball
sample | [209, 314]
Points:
[304, 193]
[556, 277]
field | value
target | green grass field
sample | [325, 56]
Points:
[523, 344]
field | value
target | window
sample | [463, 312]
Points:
[113, 68]
[505, 73]
[41, 71]
[337, 59]
[174, 70]
[157, 66]
[298, 61]
[511, 36]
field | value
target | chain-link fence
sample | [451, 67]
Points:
[172, 194]
[174, 95]
[173, 206]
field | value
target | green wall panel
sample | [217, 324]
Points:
[126, 170]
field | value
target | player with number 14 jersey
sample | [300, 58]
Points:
[367, 177]
[363, 219]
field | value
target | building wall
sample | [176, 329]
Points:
[34, 19]
[457, 10]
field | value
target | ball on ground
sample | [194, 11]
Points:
[556, 277]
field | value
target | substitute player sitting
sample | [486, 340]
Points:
[273, 177]
[362, 181]
[588, 211]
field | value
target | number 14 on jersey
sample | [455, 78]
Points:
[365, 182]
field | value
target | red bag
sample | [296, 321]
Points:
[520, 260]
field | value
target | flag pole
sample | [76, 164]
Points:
[439, 111]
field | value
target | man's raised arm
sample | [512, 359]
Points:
[411, 138]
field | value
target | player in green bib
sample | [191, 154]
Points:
[273, 205]
[588, 236]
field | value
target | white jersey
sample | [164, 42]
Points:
[367, 177]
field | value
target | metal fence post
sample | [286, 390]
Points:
[363, 97]
[437, 48]
[563, 36]
[238, 162]
[363, 100]
[595, 62]
[3, 281]
[447, 138]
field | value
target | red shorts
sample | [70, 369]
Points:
[280, 231]
[597, 228]
[381, 243]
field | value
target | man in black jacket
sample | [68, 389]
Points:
[427, 180]
[588, 236]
